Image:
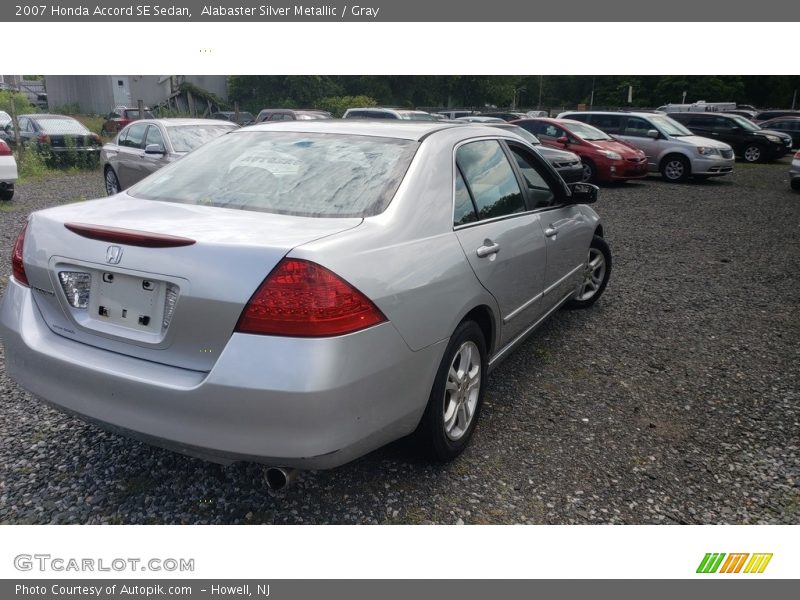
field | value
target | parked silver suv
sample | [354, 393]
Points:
[671, 148]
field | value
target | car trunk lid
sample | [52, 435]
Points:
[160, 281]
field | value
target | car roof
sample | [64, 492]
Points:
[397, 129]
[177, 122]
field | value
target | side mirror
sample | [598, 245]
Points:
[154, 149]
[652, 133]
[583, 193]
[563, 140]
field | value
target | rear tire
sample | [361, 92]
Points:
[112, 183]
[7, 193]
[595, 275]
[457, 395]
[796, 184]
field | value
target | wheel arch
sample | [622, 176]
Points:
[482, 315]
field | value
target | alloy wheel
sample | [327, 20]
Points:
[593, 274]
[462, 390]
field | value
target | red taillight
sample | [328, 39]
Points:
[797, 155]
[17, 267]
[4, 149]
[301, 298]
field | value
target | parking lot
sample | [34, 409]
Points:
[673, 400]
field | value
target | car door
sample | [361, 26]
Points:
[567, 231]
[501, 238]
[634, 132]
[131, 150]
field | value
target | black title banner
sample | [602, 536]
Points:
[396, 11]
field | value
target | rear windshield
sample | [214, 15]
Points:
[61, 125]
[186, 138]
[304, 174]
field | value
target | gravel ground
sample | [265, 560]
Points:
[673, 400]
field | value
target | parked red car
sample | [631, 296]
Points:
[604, 158]
[122, 116]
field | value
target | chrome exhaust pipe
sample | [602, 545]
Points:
[278, 478]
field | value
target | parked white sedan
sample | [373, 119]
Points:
[8, 172]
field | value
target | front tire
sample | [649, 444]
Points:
[457, 395]
[7, 193]
[795, 184]
[112, 183]
[595, 275]
[676, 168]
[589, 171]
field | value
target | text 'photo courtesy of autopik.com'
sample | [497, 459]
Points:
[341, 296]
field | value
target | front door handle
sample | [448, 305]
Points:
[550, 231]
[489, 247]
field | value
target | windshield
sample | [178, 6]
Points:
[670, 126]
[587, 132]
[745, 124]
[305, 174]
[186, 138]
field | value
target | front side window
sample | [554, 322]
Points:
[154, 137]
[135, 137]
[490, 178]
[539, 191]
[637, 127]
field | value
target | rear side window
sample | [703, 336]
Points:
[304, 174]
[608, 123]
[490, 179]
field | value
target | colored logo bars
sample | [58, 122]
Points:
[733, 563]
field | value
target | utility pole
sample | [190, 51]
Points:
[541, 83]
[591, 98]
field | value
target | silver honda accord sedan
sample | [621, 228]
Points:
[299, 294]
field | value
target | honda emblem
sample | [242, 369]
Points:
[113, 255]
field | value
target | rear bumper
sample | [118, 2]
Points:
[305, 403]
[8, 169]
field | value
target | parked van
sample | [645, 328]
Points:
[699, 106]
[671, 148]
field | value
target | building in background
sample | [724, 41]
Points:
[98, 94]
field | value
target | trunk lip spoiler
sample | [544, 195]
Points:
[130, 237]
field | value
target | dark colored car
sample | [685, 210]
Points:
[244, 118]
[271, 115]
[747, 139]
[57, 135]
[568, 164]
[603, 157]
[122, 116]
[788, 125]
[766, 115]
[747, 114]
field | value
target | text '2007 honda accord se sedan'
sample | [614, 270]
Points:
[299, 294]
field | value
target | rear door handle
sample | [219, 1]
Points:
[550, 231]
[489, 247]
